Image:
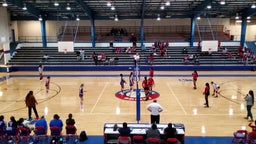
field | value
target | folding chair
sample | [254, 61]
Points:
[71, 134]
[55, 132]
[11, 134]
[24, 133]
[138, 139]
[171, 141]
[40, 132]
[153, 141]
[240, 136]
[124, 140]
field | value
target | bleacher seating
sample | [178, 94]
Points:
[33, 56]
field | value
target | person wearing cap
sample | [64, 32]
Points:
[155, 110]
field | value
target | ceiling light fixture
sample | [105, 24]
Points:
[248, 17]
[237, 16]
[198, 18]
[162, 7]
[222, 2]
[4, 4]
[116, 18]
[108, 4]
[209, 6]
[158, 17]
[168, 3]
[77, 18]
[113, 8]
[24, 7]
[68, 7]
[40, 18]
[56, 3]
[253, 5]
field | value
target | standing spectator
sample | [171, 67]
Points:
[155, 110]
[47, 84]
[42, 122]
[125, 130]
[81, 95]
[170, 132]
[206, 94]
[40, 70]
[70, 120]
[78, 58]
[194, 75]
[151, 59]
[95, 58]
[31, 104]
[122, 82]
[153, 132]
[82, 54]
[56, 121]
[216, 89]
[249, 104]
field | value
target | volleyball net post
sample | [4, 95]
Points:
[137, 76]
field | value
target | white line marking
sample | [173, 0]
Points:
[101, 93]
[176, 98]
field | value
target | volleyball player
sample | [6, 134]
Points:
[47, 84]
[81, 95]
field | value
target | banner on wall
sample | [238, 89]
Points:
[67, 46]
[209, 46]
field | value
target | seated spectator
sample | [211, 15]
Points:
[170, 132]
[153, 132]
[125, 130]
[224, 52]
[56, 121]
[151, 58]
[230, 56]
[95, 58]
[186, 59]
[42, 123]
[2, 123]
[24, 129]
[45, 57]
[190, 57]
[111, 45]
[163, 52]
[70, 120]
[12, 123]
[78, 55]
[184, 51]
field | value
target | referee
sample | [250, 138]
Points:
[155, 110]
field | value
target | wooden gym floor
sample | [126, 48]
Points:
[181, 103]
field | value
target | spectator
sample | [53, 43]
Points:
[184, 51]
[252, 126]
[155, 110]
[170, 132]
[125, 130]
[82, 54]
[2, 123]
[95, 58]
[45, 58]
[153, 132]
[78, 55]
[12, 123]
[70, 120]
[42, 122]
[56, 121]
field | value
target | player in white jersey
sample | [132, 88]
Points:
[216, 89]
